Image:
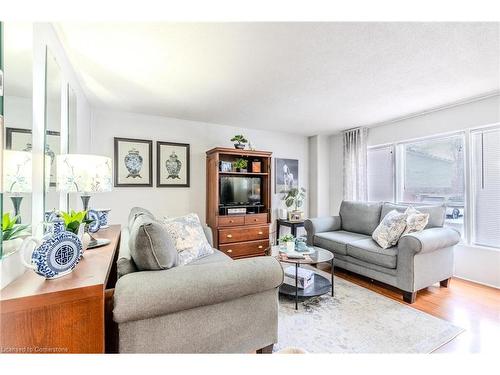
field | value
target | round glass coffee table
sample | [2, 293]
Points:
[321, 284]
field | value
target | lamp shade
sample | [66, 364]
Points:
[17, 171]
[84, 173]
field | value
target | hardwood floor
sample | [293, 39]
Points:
[472, 306]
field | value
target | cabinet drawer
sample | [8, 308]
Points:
[228, 221]
[256, 219]
[243, 249]
[244, 234]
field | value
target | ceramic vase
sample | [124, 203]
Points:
[103, 217]
[57, 254]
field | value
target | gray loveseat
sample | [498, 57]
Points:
[416, 262]
[212, 305]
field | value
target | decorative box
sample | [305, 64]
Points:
[305, 277]
[256, 167]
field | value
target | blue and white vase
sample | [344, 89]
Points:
[103, 217]
[57, 254]
[133, 163]
[174, 166]
[95, 223]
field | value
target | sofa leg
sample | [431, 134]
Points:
[445, 283]
[409, 297]
[266, 349]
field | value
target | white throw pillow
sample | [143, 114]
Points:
[416, 220]
[390, 229]
[188, 237]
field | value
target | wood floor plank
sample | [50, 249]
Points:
[469, 305]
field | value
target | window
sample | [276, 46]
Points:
[433, 172]
[381, 174]
[486, 187]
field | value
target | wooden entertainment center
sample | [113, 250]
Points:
[240, 229]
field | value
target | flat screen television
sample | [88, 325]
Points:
[239, 191]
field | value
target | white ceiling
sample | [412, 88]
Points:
[306, 78]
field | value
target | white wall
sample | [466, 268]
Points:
[472, 263]
[319, 167]
[201, 136]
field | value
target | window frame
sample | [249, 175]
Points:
[469, 173]
[471, 184]
[400, 176]
[392, 147]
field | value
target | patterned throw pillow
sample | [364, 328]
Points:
[390, 229]
[416, 221]
[188, 237]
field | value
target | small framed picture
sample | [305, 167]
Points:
[286, 175]
[226, 166]
[133, 162]
[172, 164]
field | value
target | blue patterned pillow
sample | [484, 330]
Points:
[188, 237]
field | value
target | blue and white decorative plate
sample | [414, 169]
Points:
[58, 255]
[94, 226]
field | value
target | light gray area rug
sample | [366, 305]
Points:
[358, 320]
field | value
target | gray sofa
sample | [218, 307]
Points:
[212, 305]
[416, 262]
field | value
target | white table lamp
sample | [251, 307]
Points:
[17, 177]
[85, 174]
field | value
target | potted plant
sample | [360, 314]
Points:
[75, 222]
[294, 198]
[12, 233]
[240, 165]
[240, 141]
[288, 241]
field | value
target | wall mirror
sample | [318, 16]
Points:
[18, 124]
[53, 85]
[72, 199]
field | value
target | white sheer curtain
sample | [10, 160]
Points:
[355, 164]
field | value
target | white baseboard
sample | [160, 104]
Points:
[476, 282]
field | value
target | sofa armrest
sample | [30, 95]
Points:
[148, 294]
[429, 240]
[321, 224]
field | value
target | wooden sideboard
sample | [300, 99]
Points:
[246, 234]
[67, 315]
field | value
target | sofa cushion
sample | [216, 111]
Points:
[415, 220]
[135, 212]
[390, 229]
[151, 247]
[437, 213]
[367, 250]
[125, 264]
[360, 217]
[336, 241]
[188, 236]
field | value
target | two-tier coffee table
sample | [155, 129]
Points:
[321, 284]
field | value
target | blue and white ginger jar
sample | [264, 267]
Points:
[133, 163]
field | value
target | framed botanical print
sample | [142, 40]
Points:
[133, 162]
[20, 140]
[286, 175]
[172, 164]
